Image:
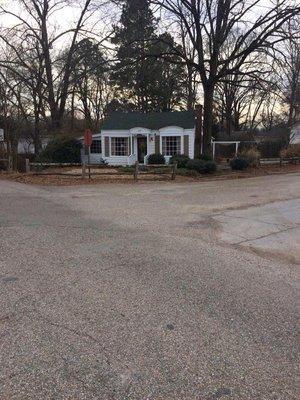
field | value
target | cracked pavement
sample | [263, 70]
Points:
[273, 229]
[150, 291]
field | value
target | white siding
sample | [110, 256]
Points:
[95, 158]
[114, 160]
[191, 133]
[295, 134]
[151, 145]
[177, 131]
[167, 131]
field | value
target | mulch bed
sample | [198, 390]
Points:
[69, 179]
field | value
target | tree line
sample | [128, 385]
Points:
[241, 59]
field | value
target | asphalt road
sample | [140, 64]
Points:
[150, 291]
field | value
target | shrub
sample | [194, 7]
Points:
[205, 157]
[156, 159]
[210, 167]
[196, 165]
[201, 166]
[61, 150]
[181, 160]
[251, 155]
[239, 164]
[293, 150]
[270, 149]
[187, 172]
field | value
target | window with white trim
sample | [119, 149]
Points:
[96, 147]
[171, 145]
[119, 146]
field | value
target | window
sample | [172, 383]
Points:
[119, 146]
[171, 145]
[96, 146]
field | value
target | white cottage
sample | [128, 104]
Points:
[129, 137]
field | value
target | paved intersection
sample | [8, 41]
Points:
[150, 291]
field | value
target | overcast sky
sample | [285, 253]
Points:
[100, 21]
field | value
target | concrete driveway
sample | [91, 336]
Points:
[150, 291]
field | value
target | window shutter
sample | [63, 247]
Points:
[106, 146]
[157, 144]
[186, 145]
[128, 147]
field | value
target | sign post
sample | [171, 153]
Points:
[2, 147]
[88, 139]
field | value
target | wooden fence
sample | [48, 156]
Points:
[8, 161]
[161, 169]
[279, 160]
[88, 170]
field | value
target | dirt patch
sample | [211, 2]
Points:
[72, 176]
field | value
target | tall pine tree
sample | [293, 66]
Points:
[133, 72]
[168, 90]
[144, 81]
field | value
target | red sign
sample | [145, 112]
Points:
[88, 137]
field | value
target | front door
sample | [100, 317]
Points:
[141, 148]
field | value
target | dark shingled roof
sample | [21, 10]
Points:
[118, 120]
[239, 136]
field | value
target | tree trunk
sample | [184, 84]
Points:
[207, 119]
[236, 119]
[229, 113]
[55, 123]
[198, 132]
[73, 110]
[190, 89]
[228, 123]
[37, 142]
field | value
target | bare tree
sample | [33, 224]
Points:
[191, 73]
[287, 69]
[14, 118]
[34, 21]
[209, 23]
[90, 85]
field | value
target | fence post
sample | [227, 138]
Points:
[10, 162]
[27, 165]
[174, 169]
[136, 171]
[83, 169]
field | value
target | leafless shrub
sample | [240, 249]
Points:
[293, 150]
[252, 156]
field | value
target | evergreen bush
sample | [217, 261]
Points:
[239, 164]
[62, 149]
[156, 159]
[181, 160]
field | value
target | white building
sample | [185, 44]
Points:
[129, 137]
[295, 134]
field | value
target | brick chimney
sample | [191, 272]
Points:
[198, 131]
